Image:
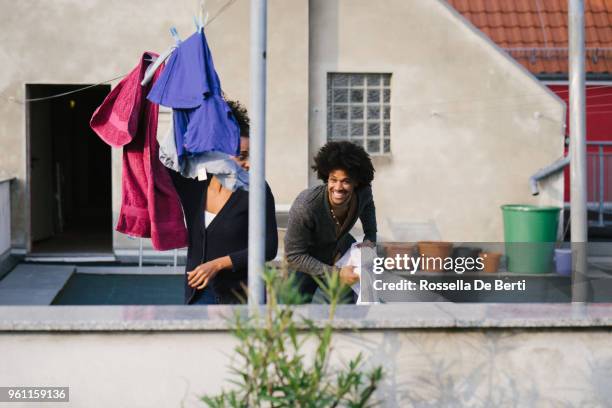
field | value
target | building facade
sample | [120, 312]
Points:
[454, 125]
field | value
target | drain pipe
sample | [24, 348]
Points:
[547, 171]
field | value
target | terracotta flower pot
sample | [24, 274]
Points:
[398, 248]
[434, 249]
[490, 261]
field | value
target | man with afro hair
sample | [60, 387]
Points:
[322, 216]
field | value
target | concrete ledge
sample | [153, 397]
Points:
[398, 316]
[7, 263]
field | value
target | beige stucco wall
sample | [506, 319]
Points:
[423, 368]
[465, 136]
[5, 216]
[84, 42]
[452, 168]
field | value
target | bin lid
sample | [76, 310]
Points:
[529, 208]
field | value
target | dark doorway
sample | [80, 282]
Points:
[70, 172]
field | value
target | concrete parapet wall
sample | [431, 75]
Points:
[498, 367]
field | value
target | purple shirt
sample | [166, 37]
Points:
[189, 84]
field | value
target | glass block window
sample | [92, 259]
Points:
[359, 110]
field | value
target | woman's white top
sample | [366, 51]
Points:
[208, 217]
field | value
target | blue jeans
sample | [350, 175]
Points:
[209, 296]
[206, 296]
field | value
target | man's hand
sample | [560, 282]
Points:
[348, 275]
[366, 243]
[203, 273]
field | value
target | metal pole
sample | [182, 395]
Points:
[140, 255]
[601, 186]
[578, 180]
[175, 260]
[257, 184]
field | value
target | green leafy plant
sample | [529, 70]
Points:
[272, 368]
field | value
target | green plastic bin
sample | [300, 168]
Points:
[530, 233]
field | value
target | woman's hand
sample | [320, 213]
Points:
[348, 275]
[204, 273]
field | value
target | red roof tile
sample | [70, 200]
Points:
[534, 32]
[492, 6]
[555, 19]
[510, 19]
[496, 19]
[601, 19]
[477, 6]
[522, 5]
[598, 5]
[559, 36]
[480, 19]
[532, 35]
[605, 35]
[591, 36]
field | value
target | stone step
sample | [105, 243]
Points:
[30, 284]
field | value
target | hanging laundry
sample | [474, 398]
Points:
[227, 171]
[189, 84]
[150, 207]
[167, 149]
[202, 121]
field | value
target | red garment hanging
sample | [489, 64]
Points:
[150, 207]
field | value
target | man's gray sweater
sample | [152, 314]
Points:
[311, 242]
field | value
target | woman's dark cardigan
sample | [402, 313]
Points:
[227, 234]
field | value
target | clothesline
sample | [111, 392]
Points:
[229, 3]
[65, 93]
[24, 101]
[402, 106]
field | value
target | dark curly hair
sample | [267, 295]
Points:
[345, 156]
[242, 116]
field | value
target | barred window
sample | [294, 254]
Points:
[359, 110]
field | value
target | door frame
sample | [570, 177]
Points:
[27, 206]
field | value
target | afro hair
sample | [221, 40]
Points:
[345, 156]
[242, 117]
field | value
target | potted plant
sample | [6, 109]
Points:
[490, 261]
[435, 249]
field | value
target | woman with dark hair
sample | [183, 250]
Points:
[322, 216]
[217, 224]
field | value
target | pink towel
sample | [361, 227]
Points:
[150, 207]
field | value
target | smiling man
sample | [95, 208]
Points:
[322, 216]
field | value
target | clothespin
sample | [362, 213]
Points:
[199, 22]
[175, 35]
[160, 60]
